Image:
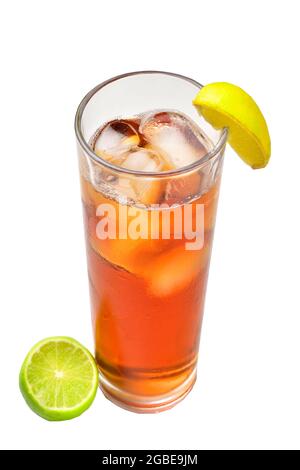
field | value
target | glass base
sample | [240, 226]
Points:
[144, 404]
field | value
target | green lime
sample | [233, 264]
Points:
[59, 378]
[225, 105]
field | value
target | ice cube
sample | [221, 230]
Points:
[174, 136]
[174, 270]
[143, 159]
[182, 188]
[145, 190]
[114, 139]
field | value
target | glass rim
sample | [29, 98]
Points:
[117, 169]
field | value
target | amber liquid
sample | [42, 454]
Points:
[147, 301]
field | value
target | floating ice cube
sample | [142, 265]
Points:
[114, 139]
[142, 159]
[174, 270]
[183, 188]
[174, 136]
[146, 190]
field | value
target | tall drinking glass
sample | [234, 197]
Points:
[149, 229]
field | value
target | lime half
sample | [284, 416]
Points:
[225, 105]
[59, 378]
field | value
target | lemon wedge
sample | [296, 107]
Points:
[225, 105]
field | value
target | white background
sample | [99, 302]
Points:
[53, 52]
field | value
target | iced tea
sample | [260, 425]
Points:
[148, 290]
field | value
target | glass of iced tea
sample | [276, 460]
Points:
[150, 170]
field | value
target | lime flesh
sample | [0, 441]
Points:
[225, 105]
[59, 378]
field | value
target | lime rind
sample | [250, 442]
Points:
[53, 399]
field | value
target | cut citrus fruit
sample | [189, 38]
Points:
[59, 378]
[226, 105]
